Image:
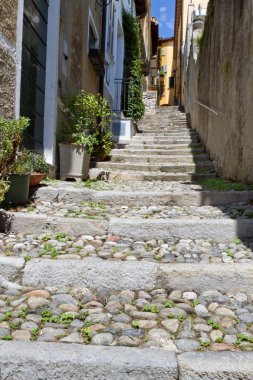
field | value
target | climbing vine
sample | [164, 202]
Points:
[133, 66]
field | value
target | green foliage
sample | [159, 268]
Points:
[237, 241]
[133, 66]
[11, 134]
[87, 122]
[169, 304]
[195, 302]
[22, 164]
[38, 163]
[35, 333]
[6, 317]
[215, 325]
[243, 338]
[181, 318]
[151, 309]
[87, 334]
[4, 187]
[6, 337]
[221, 184]
[135, 324]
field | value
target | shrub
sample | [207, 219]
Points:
[38, 163]
[87, 122]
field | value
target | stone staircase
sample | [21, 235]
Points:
[165, 149]
[130, 279]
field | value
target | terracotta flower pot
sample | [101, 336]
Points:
[36, 178]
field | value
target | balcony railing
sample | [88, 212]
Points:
[121, 95]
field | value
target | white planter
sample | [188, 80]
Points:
[74, 162]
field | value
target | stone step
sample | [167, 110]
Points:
[176, 134]
[202, 168]
[95, 274]
[165, 151]
[123, 176]
[164, 140]
[20, 222]
[170, 146]
[216, 229]
[118, 157]
[143, 198]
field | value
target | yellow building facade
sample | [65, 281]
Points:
[166, 78]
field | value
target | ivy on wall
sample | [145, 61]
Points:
[133, 66]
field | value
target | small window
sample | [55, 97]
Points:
[171, 82]
[165, 68]
[163, 52]
[92, 39]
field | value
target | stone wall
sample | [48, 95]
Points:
[8, 22]
[150, 100]
[222, 79]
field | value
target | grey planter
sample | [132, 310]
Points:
[74, 161]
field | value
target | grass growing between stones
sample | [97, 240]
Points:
[220, 184]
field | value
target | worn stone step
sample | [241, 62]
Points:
[41, 360]
[166, 152]
[163, 168]
[216, 229]
[167, 146]
[118, 157]
[95, 274]
[143, 198]
[166, 141]
[162, 135]
[26, 223]
[124, 175]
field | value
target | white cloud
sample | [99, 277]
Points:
[170, 24]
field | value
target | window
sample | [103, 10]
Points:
[165, 68]
[163, 52]
[171, 82]
[92, 39]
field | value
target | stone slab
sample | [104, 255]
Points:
[201, 277]
[217, 229]
[45, 361]
[91, 272]
[216, 366]
[177, 198]
[10, 267]
[36, 224]
[66, 194]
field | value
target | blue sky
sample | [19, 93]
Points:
[164, 10]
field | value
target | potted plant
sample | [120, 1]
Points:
[14, 166]
[86, 130]
[39, 168]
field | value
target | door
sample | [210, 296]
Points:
[33, 74]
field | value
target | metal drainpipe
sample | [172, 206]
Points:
[103, 44]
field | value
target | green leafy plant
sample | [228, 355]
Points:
[221, 184]
[35, 333]
[133, 66]
[87, 122]
[11, 134]
[135, 324]
[169, 304]
[243, 338]
[215, 325]
[87, 334]
[4, 187]
[151, 309]
[6, 337]
[38, 163]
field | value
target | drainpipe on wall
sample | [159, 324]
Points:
[103, 44]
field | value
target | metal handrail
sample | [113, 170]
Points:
[206, 107]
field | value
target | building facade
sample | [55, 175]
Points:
[185, 10]
[53, 48]
[167, 84]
